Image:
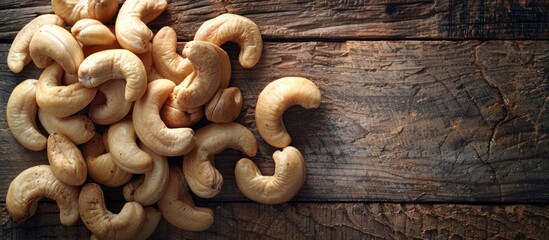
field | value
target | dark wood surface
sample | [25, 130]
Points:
[440, 107]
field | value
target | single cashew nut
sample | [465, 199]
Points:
[149, 189]
[21, 116]
[19, 55]
[131, 30]
[102, 10]
[110, 106]
[151, 130]
[203, 178]
[178, 208]
[152, 218]
[176, 117]
[105, 224]
[225, 106]
[288, 178]
[66, 160]
[166, 60]
[92, 32]
[275, 98]
[123, 147]
[115, 64]
[59, 100]
[234, 28]
[35, 183]
[73, 10]
[55, 42]
[78, 128]
[101, 167]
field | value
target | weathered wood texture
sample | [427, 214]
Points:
[325, 19]
[327, 221]
[437, 121]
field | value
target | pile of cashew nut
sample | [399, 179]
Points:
[147, 97]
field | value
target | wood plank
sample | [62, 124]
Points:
[326, 221]
[298, 19]
[439, 121]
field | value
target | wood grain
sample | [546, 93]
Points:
[342, 20]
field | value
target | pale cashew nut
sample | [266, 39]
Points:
[109, 106]
[203, 178]
[234, 28]
[123, 147]
[288, 178]
[18, 55]
[102, 10]
[115, 64]
[149, 126]
[78, 128]
[275, 98]
[176, 117]
[21, 116]
[131, 30]
[73, 10]
[52, 42]
[35, 183]
[66, 160]
[92, 32]
[101, 167]
[152, 218]
[149, 189]
[59, 100]
[105, 224]
[178, 208]
[225, 106]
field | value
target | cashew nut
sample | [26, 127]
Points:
[149, 127]
[91, 49]
[131, 30]
[178, 208]
[35, 183]
[92, 32]
[234, 28]
[59, 100]
[73, 10]
[176, 117]
[203, 178]
[288, 178]
[166, 61]
[275, 98]
[225, 106]
[55, 42]
[66, 160]
[21, 116]
[152, 218]
[110, 106]
[19, 55]
[123, 147]
[101, 167]
[78, 128]
[115, 64]
[105, 224]
[149, 189]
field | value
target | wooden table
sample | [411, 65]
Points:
[434, 120]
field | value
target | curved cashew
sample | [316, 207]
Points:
[123, 147]
[59, 100]
[21, 116]
[152, 218]
[234, 28]
[288, 178]
[176, 117]
[275, 98]
[55, 42]
[131, 30]
[92, 32]
[101, 167]
[178, 208]
[18, 55]
[105, 224]
[66, 160]
[73, 10]
[166, 61]
[35, 183]
[203, 178]
[149, 189]
[151, 130]
[115, 64]
[110, 106]
[225, 106]
[78, 128]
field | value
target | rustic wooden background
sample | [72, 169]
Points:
[434, 120]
